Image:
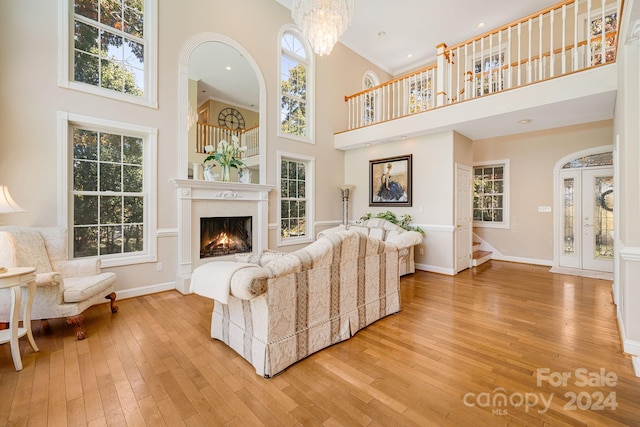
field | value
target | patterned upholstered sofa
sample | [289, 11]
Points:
[288, 306]
[384, 230]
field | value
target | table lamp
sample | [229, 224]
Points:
[7, 205]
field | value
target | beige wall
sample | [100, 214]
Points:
[29, 146]
[434, 158]
[533, 157]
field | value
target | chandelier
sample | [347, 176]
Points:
[322, 21]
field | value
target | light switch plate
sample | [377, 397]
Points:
[544, 208]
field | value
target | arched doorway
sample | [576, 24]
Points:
[584, 220]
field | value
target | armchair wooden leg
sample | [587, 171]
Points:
[44, 326]
[78, 321]
[112, 297]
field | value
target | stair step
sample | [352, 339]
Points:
[481, 254]
[480, 257]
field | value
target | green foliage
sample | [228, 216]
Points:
[293, 102]
[403, 222]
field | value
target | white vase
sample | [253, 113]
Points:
[197, 171]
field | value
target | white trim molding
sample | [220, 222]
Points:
[436, 269]
[146, 290]
[630, 253]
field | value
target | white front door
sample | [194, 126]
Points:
[587, 219]
[464, 220]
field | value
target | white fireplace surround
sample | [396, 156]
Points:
[198, 199]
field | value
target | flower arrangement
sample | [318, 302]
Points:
[404, 221]
[227, 155]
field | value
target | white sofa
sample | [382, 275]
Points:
[288, 306]
[65, 288]
[382, 229]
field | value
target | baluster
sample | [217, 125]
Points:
[551, 53]
[564, 30]
[529, 49]
[540, 70]
[509, 71]
[474, 78]
[603, 38]
[519, 53]
[588, 53]
[500, 61]
[575, 36]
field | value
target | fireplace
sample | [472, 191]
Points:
[225, 235]
[209, 199]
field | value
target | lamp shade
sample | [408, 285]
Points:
[7, 204]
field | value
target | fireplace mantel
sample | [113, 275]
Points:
[197, 198]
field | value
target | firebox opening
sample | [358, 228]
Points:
[225, 235]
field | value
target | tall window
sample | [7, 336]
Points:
[112, 200]
[369, 81]
[111, 48]
[296, 189]
[295, 87]
[491, 194]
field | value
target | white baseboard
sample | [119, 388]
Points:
[522, 260]
[435, 269]
[629, 346]
[635, 361]
[145, 290]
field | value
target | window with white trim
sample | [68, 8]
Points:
[111, 213]
[295, 210]
[109, 48]
[491, 194]
[296, 88]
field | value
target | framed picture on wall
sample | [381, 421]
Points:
[390, 181]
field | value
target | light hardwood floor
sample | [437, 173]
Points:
[458, 341]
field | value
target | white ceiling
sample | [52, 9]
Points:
[416, 27]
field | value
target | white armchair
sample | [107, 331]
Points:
[65, 288]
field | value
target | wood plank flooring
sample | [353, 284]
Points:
[459, 347]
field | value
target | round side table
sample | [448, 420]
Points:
[13, 279]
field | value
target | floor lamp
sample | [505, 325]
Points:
[346, 189]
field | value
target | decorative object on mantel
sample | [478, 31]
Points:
[346, 189]
[226, 155]
[322, 21]
[208, 173]
[244, 175]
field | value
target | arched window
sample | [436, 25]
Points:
[296, 87]
[370, 80]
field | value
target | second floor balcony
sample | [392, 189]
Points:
[558, 63]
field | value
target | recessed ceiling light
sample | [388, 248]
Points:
[480, 25]
[409, 56]
[228, 68]
[524, 121]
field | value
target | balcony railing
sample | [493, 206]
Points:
[207, 134]
[566, 38]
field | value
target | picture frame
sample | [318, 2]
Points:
[390, 181]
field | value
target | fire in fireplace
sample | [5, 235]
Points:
[225, 235]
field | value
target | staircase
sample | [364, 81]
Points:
[479, 256]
